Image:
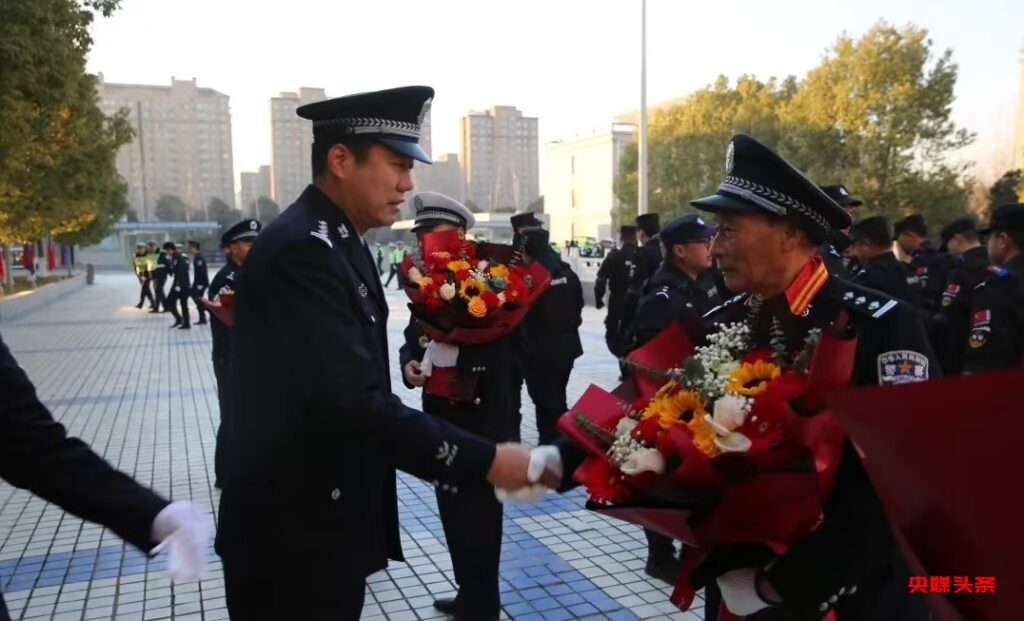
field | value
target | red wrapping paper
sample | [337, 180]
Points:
[734, 498]
[941, 456]
[223, 308]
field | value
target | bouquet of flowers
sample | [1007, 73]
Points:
[465, 293]
[734, 447]
[222, 307]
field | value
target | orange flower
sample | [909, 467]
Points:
[498, 271]
[703, 434]
[459, 265]
[477, 306]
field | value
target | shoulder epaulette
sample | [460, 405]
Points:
[739, 299]
[865, 301]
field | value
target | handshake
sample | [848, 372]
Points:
[523, 475]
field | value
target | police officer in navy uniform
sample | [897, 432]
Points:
[771, 220]
[996, 338]
[178, 270]
[648, 258]
[615, 274]
[970, 267]
[682, 289]
[551, 332]
[470, 514]
[833, 250]
[928, 266]
[236, 241]
[37, 455]
[161, 270]
[309, 505]
[871, 244]
[200, 280]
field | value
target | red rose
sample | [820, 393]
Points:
[461, 275]
[491, 299]
[647, 431]
[515, 290]
[765, 425]
[439, 279]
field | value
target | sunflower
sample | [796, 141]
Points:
[703, 434]
[498, 271]
[751, 379]
[455, 266]
[471, 288]
[672, 404]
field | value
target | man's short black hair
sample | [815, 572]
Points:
[358, 145]
[169, 246]
[1017, 237]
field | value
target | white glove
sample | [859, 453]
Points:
[184, 529]
[438, 354]
[541, 458]
[740, 594]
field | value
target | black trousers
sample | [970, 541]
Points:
[197, 298]
[471, 517]
[391, 274]
[160, 300]
[172, 306]
[220, 372]
[277, 586]
[546, 383]
[146, 291]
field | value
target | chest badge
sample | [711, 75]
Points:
[362, 289]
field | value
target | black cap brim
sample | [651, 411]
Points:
[719, 203]
[985, 231]
[404, 147]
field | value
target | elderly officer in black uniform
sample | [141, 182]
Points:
[928, 266]
[470, 514]
[996, 339]
[37, 455]
[200, 279]
[682, 289]
[551, 331]
[615, 274]
[970, 267]
[236, 240]
[871, 243]
[309, 504]
[178, 270]
[838, 240]
[771, 220]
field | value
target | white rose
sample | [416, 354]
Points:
[414, 274]
[730, 411]
[643, 460]
[626, 425]
[735, 442]
[447, 291]
[482, 266]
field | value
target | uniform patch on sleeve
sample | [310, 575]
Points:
[952, 290]
[902, 367]
[981, 327]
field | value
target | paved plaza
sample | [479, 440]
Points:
[144, 397]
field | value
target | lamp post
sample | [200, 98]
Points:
[642, 194]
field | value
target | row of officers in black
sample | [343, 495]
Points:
[187, 274]
[969, 290]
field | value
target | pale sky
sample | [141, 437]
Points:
[573, 63]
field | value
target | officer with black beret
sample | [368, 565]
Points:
[617, 270]
[771, 220]
[969, 268]
[470, 514]
[309, 505]
[996, 339]
[871, 244]
[235, 242]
